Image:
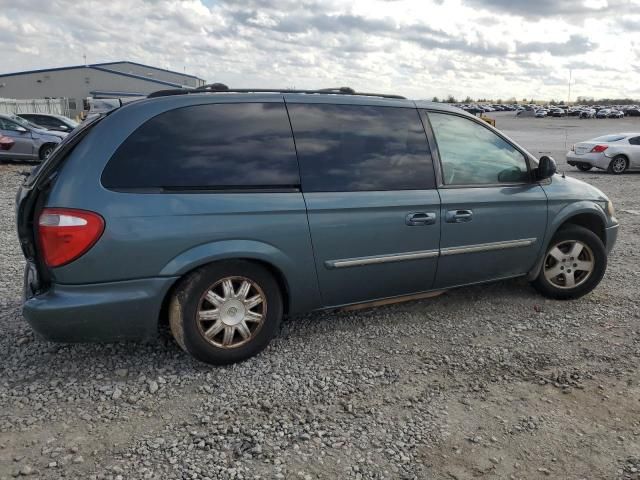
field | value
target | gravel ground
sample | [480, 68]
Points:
[484, 382]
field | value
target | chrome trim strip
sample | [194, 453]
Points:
[400, 257]
[394, 257]
[487, 247]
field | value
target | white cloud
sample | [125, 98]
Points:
[419, 48]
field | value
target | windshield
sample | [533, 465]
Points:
[609, 138]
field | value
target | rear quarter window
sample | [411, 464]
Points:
[215, 146]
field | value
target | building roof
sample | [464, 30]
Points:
[147, 66]
[103, 67]
[110, 94]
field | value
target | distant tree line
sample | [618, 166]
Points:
[606, 101]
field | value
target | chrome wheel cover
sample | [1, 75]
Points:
[569, 264]
[231, 312]
[618, 165]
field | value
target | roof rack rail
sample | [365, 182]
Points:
[222, 88]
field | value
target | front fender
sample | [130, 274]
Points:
[571, 210]
[300, 278]
[559, 214]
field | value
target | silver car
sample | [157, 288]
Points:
[31, 142]
[616, 153]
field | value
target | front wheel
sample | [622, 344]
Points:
[226, 312]
[583, 167]
[574, 264]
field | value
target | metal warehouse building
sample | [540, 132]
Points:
[100, 80]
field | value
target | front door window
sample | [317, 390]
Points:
[471, 154]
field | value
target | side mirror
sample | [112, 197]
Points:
[21, 130]
[547, 168]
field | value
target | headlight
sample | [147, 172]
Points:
[610, 210]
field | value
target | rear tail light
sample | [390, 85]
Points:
[66, 234]
[599, 148]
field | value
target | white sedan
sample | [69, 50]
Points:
[616, 153]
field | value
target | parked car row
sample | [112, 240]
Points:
[541, 111]
[476, 109]
[581, 112]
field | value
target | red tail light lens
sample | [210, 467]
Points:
[599, 148]
[66, 234]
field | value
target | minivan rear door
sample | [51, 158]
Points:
[368, 182]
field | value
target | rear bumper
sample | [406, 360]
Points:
[598, 160]
[103, 312]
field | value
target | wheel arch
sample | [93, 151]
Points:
[585, 214]
[299, 287]
[622, 154]
[277, 274]
[590, 221]
[43, 146]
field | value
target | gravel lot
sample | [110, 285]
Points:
[484, 382]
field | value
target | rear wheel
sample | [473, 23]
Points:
[226, 312]
[574, 264]
[584, 167]
[618, 165]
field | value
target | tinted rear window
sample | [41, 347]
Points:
[219, 146]
[355, 148]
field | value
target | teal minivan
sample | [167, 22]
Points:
[224, 210]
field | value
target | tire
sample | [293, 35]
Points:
[592, 247]
[618, 165]
[46, 150]
[234, 314]
[583, 167]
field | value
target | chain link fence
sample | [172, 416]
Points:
[59, 106]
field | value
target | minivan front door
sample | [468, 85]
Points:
[493, 216]
[373, 210]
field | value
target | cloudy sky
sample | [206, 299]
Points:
[419, 48]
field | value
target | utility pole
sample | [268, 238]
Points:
[570, 75]
[84, 56]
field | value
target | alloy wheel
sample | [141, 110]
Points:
[569, 264]
[231, 312]
[618, 165]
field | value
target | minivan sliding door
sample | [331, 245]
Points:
[368, 183]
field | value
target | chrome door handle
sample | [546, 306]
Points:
[458, 216]
[420, 218]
